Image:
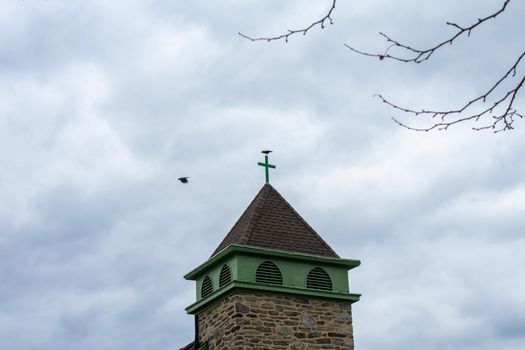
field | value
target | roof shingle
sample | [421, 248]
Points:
[270, 222]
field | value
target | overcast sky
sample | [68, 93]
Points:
[104, 104]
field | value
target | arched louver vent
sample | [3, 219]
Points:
[207, 287]
[225, 276]
[318, 279]
[268, 272]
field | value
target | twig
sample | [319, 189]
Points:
[417, 55]
[321, 23]
[501, 121]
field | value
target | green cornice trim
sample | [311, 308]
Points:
[235, 248]
[193, 308]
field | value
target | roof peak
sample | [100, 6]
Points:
[270, 221]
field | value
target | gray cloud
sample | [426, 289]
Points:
[103, 106]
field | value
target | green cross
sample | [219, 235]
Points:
[266, 165]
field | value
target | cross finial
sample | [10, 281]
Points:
[266, 165]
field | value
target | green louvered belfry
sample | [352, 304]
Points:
[272, 249]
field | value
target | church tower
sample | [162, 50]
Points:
[272, 283]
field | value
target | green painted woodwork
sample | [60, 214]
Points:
[269, 273]
[225, 276]
[195, 307]
[318, 278]
[294, 272]
[244, 261]
[207, 286]
[215, 272]
[266, 166]
[237, 249]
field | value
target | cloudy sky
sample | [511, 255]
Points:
[104, 104]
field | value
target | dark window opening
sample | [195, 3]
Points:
[269, 273]
[318, 279]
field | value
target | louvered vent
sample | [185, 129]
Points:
[225, 276]
[207, 287]
[268, 272]
[318, 279]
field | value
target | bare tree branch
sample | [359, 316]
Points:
[321, 23]
[502, 110]
[417, 55]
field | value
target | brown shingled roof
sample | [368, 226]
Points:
[270, 222]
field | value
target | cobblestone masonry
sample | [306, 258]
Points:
[260, 321]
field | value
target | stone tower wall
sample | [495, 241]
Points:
[262, 321]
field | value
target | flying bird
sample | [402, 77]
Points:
[266, 151]
[184, 179]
